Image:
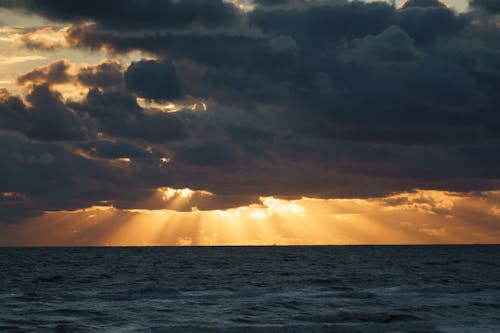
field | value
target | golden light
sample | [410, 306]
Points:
[423, 3]
[270, 207]
[45, 38]
[11, 195]
[201, 106]
[18, 59]
[71, 88]
[282, 206]
[420, 217]
[169, 193]
[9, 34]
[180, 199]
[243, 6]
[168, 107]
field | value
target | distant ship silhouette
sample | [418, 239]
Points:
[423, 3]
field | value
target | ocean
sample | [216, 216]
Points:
[353, 289]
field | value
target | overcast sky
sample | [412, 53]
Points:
[123, 104]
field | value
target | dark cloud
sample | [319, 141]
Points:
[106, 75]
[135, 14]
[50, 118]
[48, 176]
[422, 3]
[47, 117]
[119, 150]
[209, 154]
[317, 25]
[275, 2]
[426, 24]
[249, 134]
[120, 115]
[56, 72]
[299, 98]
[153, 79]
[391, 47]
[217, 48]
[492, 6]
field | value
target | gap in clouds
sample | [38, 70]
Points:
[422, 217]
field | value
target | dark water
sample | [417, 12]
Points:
[265, 289]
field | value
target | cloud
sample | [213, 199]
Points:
[56, 72]
[488, 63]
[426, 24]
[390, 47]
[136, 14]
[45, 38]
[120, 115]
[153, 80]
[422, 3]
[209, 154]
[283, 45]
[108, 75]
[488, 5]
[47, 117]
[470, 218]
[119, 150]
[326, 99]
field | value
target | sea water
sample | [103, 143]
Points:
[251, 289]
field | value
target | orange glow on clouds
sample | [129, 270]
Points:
[45, 38]
[419, 217]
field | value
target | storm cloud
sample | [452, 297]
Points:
[135, 14]
[488, 5]
[325, 99]
[153, 80]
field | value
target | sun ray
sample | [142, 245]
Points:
[408, 218]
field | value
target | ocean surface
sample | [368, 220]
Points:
[391, 289]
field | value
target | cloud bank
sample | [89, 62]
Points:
[322, 99]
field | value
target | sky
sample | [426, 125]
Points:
[288, 122]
